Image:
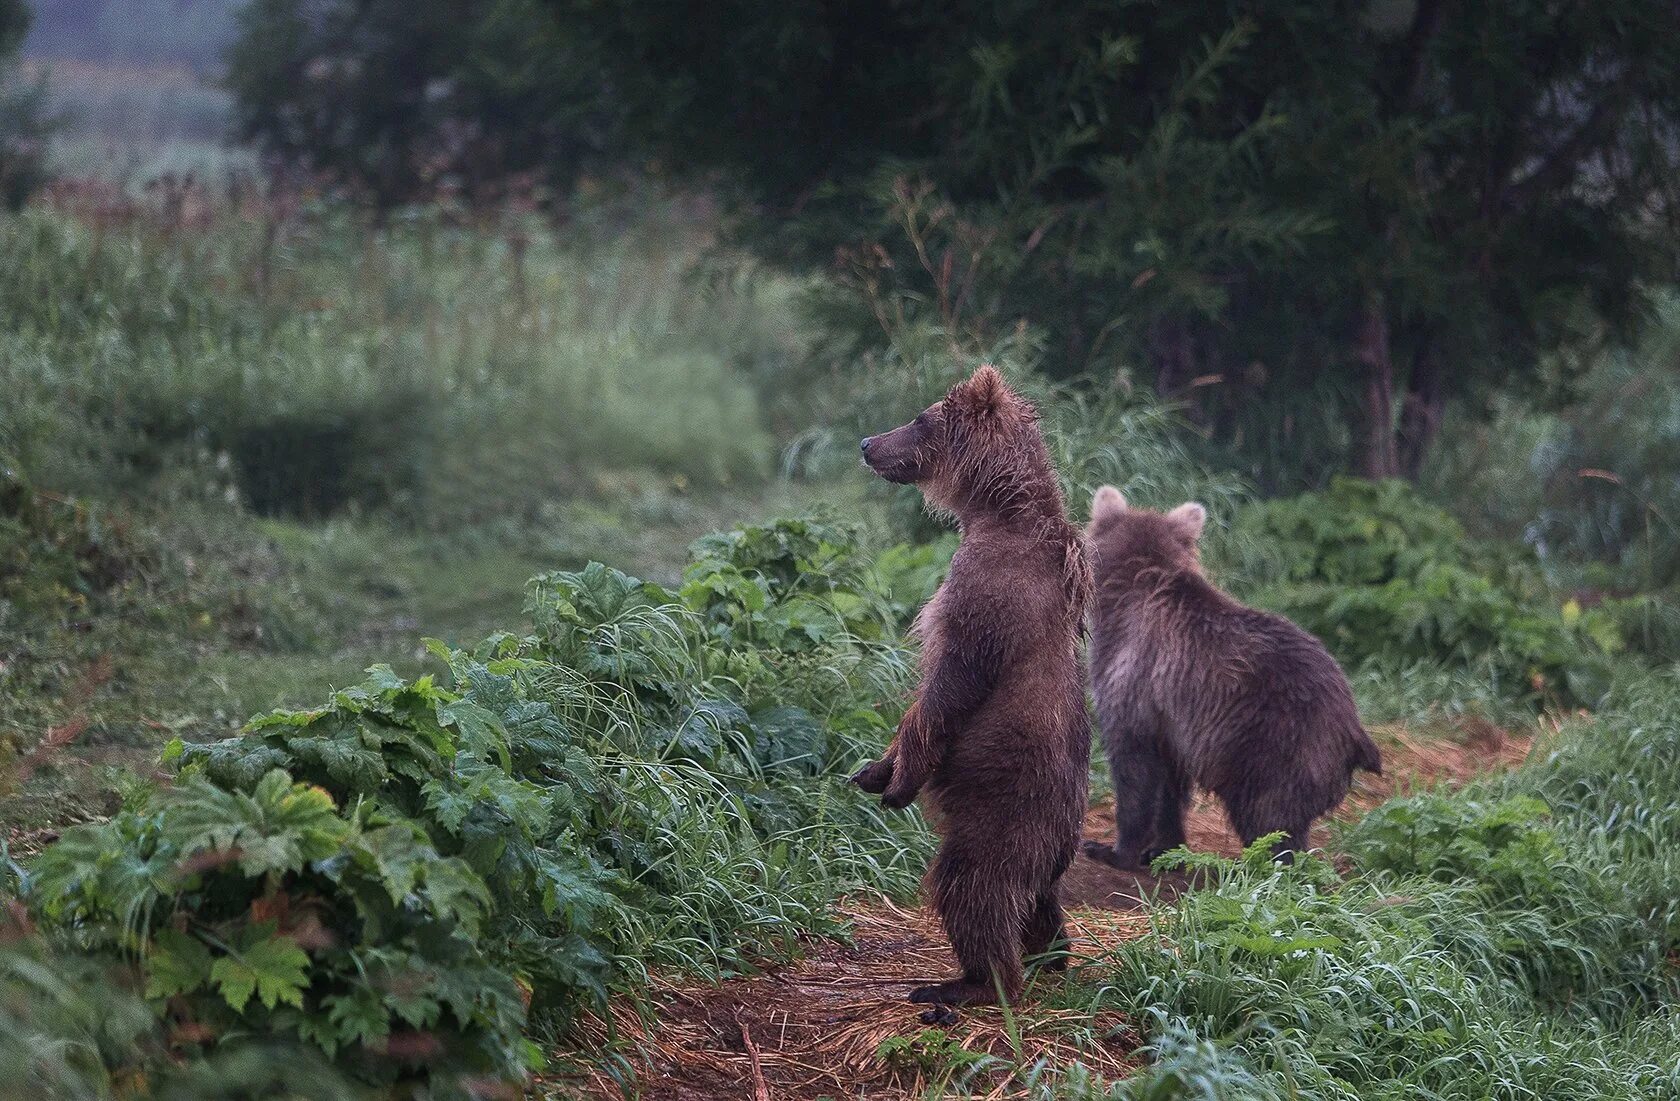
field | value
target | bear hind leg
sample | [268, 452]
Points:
[1169, 820]
[1141, 779]
[1253, 821]
[983, 915]
[1297, 838]
[1046, 932]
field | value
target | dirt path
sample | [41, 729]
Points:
[814, 1028]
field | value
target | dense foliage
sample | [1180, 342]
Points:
[401, 876]
[1382, 206]
[1389, 580]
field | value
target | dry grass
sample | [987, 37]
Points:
[814, 1029]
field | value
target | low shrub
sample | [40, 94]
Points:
[1352, 533]
[1389, 580]
[403, 877]
[1445, 613]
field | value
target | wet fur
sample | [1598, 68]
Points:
[1193, 689]
[998, 736]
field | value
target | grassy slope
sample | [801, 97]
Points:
[591, 399]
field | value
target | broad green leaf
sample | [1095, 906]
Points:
[359, 1015]
[273, 967]
[177, 964]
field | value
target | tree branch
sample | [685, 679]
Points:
[1556, 167]
[1426, 23]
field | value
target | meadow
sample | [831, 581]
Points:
[427, 642]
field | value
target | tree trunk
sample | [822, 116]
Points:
[1382, 457]
[1420, 414]
[1172, 351]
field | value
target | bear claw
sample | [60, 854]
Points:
[874, 777]
[955, 992]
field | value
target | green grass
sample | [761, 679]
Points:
[1515, 939]
[456, 375]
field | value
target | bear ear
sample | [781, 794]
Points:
[981, 394]
[1192, 517]
[1107, 502]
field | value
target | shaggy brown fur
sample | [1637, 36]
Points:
[998, 733]
[1193, 688]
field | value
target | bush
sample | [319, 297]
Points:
[1385, 578]
[1449, 615]
[76, 1028]
[1504, 844]
[398, 877]
[276, 912]
[1351, 533]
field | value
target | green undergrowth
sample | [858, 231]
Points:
[1514, 939]
[1395, 587]
[126, 622]
[419, 877]
[421, 883]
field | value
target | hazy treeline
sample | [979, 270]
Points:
[148, 32]
[1380, 208]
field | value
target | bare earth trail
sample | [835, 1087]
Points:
[811, 1029]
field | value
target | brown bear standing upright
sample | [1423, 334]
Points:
[1192, 688]
[998, 733]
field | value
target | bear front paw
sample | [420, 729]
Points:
[898, 797]
[875, 776]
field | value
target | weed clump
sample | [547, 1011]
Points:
[405, 876]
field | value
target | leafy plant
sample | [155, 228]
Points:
[276, 912]
[400, 876]
[1351, 533]
[932, 1051]
[1504, 844]
[1386, 578]
[790, 585]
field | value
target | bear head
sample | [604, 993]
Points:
[977, 448]
[1128, 540]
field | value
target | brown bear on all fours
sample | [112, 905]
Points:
[998, 734]
[1193, 689]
